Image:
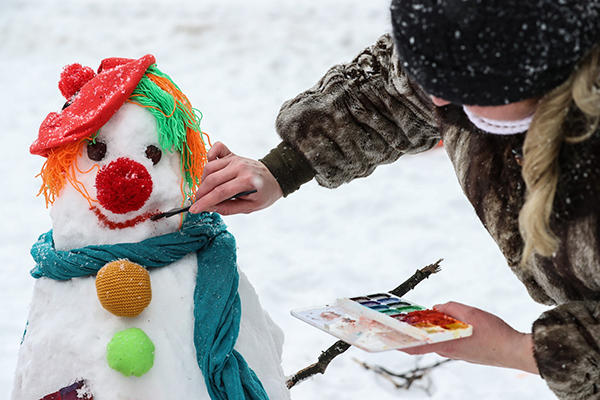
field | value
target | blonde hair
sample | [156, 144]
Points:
[542, 147]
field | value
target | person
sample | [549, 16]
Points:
[512, 88]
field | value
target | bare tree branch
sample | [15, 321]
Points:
[340, 346]
[406, 379]
[417, 278]
[321, 365]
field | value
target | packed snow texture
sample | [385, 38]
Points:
[237, 62]
[67, 327]
[66, 342]
[126, 136]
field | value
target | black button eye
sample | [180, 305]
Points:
[96, 151]
[153, 153]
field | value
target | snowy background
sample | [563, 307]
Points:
[238, 61]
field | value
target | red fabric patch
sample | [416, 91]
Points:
[73, 77]
[110, 63]
[69, 393]
[123, 185]
[97, 100]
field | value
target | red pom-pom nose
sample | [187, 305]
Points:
[123, 186]
[73, 77]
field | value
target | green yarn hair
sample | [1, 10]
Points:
[177, 121]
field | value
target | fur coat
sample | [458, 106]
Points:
[368, 112]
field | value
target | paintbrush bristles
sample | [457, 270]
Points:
[169, 213]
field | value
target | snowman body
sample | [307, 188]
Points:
[68, 329]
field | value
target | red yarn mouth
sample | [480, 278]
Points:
[121, 225]
[123, 186]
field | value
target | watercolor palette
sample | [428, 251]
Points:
[382, 321]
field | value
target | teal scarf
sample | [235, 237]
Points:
[217, 308]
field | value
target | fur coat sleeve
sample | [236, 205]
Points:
[359, 115]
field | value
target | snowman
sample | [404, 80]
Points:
[126, 307]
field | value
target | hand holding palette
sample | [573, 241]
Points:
[382, 321]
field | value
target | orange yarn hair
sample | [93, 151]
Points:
[60, 167]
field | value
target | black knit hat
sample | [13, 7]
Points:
[492, 52]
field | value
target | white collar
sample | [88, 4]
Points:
[499, 127]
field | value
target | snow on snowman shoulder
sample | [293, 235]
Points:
[125, 307]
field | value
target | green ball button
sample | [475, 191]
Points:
[131, 352]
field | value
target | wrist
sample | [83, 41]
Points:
[523, 353]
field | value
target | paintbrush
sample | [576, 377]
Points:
[176, 211]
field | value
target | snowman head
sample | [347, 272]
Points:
[126, 146]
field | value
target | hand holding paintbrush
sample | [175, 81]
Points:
[226, 174]
[176, 211]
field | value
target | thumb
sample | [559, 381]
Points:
[451, 308]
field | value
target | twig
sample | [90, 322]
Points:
[321, 365]
[340, 346]
[406, 379]
[417, 278]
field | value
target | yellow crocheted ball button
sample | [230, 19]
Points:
[123, 288]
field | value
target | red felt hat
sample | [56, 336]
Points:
[94, 98]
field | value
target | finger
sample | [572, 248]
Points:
[447, 348]
[424, 349]
[218, 150]
[456, 310]
[238, 205]
[449, 307]
[213, 180]
[215, 165]
[230, 207]
[218, 195]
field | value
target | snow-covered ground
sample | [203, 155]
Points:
[238, 61]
